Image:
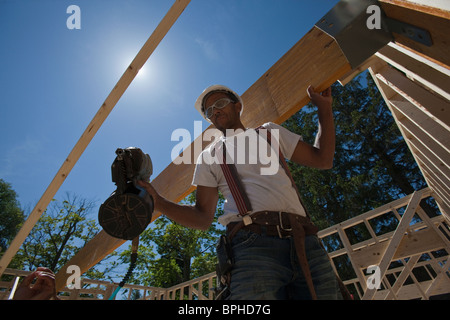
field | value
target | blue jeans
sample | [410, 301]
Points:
[267, 268]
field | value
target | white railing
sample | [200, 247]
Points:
[422, 244]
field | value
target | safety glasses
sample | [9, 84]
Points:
[219, 104]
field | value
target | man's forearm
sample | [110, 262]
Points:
[198, 216]
[326, 136]
[187, 215]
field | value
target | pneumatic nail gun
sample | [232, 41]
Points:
[128, 211]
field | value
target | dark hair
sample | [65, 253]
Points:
[230, 95]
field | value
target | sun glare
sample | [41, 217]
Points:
[149, 74]
[142, 72]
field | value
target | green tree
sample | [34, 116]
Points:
[58, 235]
[11, 215]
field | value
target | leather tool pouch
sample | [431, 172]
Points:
[223, 267]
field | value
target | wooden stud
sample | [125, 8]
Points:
[424, 127]
[429, 74]
[350, 253]
[435, 108]
[421, 241]
[396, 238]
[408, 267]
[442, 276]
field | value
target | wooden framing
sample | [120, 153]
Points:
[408, 242]
[416, 90]
[414, 81]
[394, 243]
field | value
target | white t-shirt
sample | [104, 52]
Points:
[264, 179]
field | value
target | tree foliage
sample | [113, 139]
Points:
[11, 215]
[62, 230]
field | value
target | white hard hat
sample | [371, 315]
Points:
[211, 89]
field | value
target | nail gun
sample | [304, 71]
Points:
[128, 211]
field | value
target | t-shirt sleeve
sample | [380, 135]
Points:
[203, 176]
[287, 140]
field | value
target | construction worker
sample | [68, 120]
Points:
[270, 243]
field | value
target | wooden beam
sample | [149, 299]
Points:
[356, 71]
[350, 253]
[435, 21]
[407, 270]
[442, 276]
[280, 92]
[421, 70]
[417, 242]
[433, 107]
[101, 115]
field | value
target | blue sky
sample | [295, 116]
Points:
[53, 80]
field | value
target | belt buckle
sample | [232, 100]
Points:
[280, 226]
[247, 219]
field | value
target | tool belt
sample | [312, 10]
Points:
[282, 225]
[274, 223]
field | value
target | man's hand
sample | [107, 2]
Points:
[321, 100]
[43, 289]
[320, 155]
[151, 191]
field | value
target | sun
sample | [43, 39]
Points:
[127, 60]
[142, 73]
[150, 74]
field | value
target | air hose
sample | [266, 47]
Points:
[133, 260]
